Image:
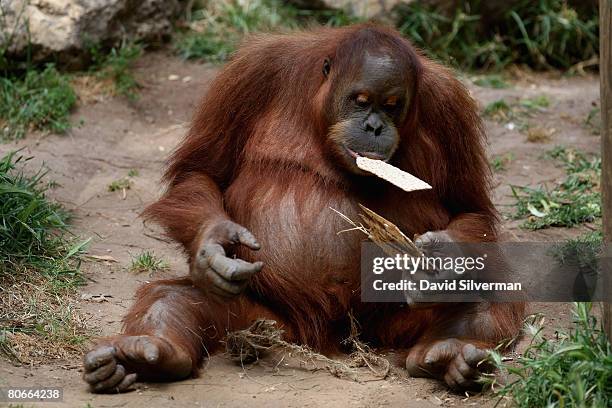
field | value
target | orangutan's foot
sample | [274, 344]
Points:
[115, 364]
[457, 362]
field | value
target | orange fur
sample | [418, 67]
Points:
[256, 154]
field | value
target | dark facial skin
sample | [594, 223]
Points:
[368, 110]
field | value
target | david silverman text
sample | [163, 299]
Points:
[447, 285]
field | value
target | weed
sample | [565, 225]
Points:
[123, 184]
[120, 184]
[518, 112]
[41, 100]
[535, 103]
[499, 163]
[574, 201]
[497, 108]
[583, 251]
[207, 46]
[148, 262]
[39, 267]
[491, 81]
[117, 66]
[574, 370]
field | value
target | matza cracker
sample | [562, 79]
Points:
[393, 175]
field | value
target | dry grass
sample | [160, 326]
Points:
[40, 322]
[91, 88]
[539, 135]
[263, 336]
[382, 232]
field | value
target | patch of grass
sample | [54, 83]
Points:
[116, 65]
[452, 40]
[120, 185]
[215, 31]
[518, 111]
[583, 251]
[40, 100]
[543, 34]
[574, 201]
[498, 107]
[147, 261]
[206, 46]
[572, 371]
[34, 230]
[123, 184]
[499, 163]
[491, 81]
[39, 268]
[535, 103]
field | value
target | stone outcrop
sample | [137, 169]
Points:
[67, 26]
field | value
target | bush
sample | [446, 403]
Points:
[542, 34]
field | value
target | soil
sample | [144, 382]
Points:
[112, 135]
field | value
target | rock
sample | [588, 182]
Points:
[69, 26]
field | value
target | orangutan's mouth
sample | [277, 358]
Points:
[369, 155]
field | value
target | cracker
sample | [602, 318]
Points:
[393, 175]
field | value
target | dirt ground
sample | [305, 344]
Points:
[112, 136]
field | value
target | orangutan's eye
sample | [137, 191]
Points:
[326, 67]
[391, 101]
[362, 99]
